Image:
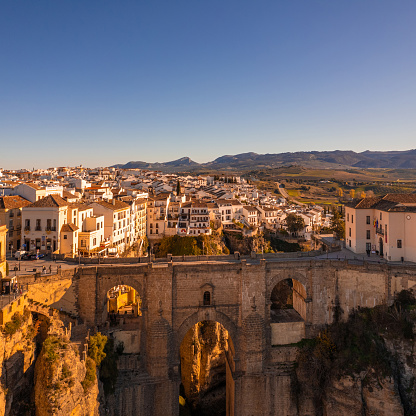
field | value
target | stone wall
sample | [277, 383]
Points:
[287, 332]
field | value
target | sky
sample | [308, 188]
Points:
[101, 82]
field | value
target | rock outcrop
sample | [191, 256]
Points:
[60, 388]
[350, 396]
[17, 357]
[203, 366]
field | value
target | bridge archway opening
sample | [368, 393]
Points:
[123, 301]
[288, 301]
[207, 366]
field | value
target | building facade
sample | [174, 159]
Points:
[382, 225]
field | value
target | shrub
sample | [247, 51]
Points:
[51, 347]
[108, 369]
[90, 375]
[96, 345]
[14, 324]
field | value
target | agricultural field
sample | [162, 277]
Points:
[323, 186]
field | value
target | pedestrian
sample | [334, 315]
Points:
[44, 270]
[50, 269]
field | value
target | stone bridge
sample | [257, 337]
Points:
[236, 294]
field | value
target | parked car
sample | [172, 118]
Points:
[20, 254]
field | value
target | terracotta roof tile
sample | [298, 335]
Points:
[70, 227]
[15, 201]
[389, 202]
[49, 201]
[114, 205]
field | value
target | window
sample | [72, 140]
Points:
[207, 298]
[65, 237]
[399, 243]
[94, 242]
[381, 216]
[352, 218]
[368, 234]
[349, 232]
[368, 219]
[348, 217]
[38, 225]
[349, 243]
[83, 243]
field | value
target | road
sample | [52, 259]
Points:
[284, 193]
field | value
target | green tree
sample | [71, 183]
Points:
[338, 224]
[96, 345]
[295, 223]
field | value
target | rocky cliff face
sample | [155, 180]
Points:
[365, 366]
[60, 388]
[203, 366]
[17, 356]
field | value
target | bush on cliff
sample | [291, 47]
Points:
[101, 353]
[190, 246]
[14, 324]
[90, 374]
[52, 346]
[96, 346]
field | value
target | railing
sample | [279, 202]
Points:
[50, 229]
[27, 228]
[38, 229]
[6, 299]
[379, 230]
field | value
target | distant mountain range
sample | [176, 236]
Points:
[337, 159]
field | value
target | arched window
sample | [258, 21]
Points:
[207, 298]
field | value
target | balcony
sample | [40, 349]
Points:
[379, 231]
[27, 228]
[50, 229]
[38, 228]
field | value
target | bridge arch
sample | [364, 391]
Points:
[107, 285]
[206, 315]
[230, 351]
[284, 275]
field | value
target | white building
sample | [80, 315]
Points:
[42, 222]
[384, 225]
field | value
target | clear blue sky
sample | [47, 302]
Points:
[103, 82]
